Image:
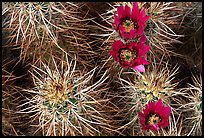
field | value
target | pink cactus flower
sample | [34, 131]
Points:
[155, 116]
[130, 23]
[131, 54]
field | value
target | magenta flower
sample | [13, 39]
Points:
[131, 54]
[130, 23]
[155, 116]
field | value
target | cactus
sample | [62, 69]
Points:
[156, 83]
[77, 88]
[190, 106]
[65, 100]
[38, 27]
[7, 97]
[10, 100]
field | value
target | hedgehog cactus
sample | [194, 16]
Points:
[10, 100]
[190, 106]
[37, 27]
[65, 101]
[153, 88]
[196, 97]
[155, 84]
[113, 74]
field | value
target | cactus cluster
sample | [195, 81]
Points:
[128, 68]
[64, 101]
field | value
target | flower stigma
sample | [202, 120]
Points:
[127, 55]
[128, 25]
[153, 119]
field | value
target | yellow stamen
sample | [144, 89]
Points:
[153, 119]
[128, 25]
[127, 55]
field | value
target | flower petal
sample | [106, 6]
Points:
[144, 61]
[140, 61]
[145, 19]
[139, 68]
[116, 21]
[121, 12]
[133, 33]
[135, 12]
[156, 127]
[141, 28]
[167, 110]
[140, 114]
[158, 106]
[117, 45]
[142, 13]
[125, 64]
[166, 123]
[142, 39]
[125, 35]
[143, 50]
[136, 47]
[127, 11]
[130, 45]
[122, 32]
[114, 55]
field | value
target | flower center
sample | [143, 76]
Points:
[128, 25]
[153, 119]
[127, 55]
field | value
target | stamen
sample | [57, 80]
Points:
[153, 119]
[128, 25]
[127, 55]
